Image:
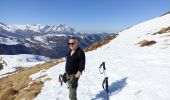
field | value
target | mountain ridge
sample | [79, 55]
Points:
[46, 40]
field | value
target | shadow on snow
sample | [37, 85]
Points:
[114, 88]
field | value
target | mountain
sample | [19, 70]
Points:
[137, 64]
[46, 40]
[35, 29]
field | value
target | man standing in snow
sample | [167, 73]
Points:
[75, 64]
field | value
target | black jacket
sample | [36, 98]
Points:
[76, 62]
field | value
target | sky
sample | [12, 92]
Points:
[83, 15]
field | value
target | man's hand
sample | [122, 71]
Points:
[78, 74]
[64, 78]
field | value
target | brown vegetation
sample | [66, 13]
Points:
[166, 13]
[146, 43]
[18, 86]
[101, 43]
[163, 30]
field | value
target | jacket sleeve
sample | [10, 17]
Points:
[82, 61]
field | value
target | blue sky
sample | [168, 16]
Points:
[83, 15]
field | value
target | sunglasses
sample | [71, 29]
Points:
[71, 43]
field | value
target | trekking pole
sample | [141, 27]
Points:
[105, 81]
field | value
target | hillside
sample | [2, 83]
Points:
[135, 72]
[20, 84]
[137, 64]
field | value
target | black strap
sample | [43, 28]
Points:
[60, 79]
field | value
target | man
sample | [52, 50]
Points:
[75, 64]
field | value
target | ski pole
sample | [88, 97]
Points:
[105, 81]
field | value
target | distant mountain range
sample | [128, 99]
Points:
[46, 40]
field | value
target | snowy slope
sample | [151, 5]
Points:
[21, 60]
[135, 73]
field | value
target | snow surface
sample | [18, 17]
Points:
[21, 60]
[135, 73]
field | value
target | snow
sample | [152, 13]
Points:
[135, 73]
[52, 35]
[34, 27]
[40, 39]
[8, 41]
[41, 75]
[37, 28]
[21, 60]
[43, 39]
[6, 27]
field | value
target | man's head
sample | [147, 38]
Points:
[73, 43]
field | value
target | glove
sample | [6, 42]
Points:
[64, 78]
[74, 82]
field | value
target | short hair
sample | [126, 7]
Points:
[74, 38]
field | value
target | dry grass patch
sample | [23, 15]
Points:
[146, 42]
[166, 13]
[18, 86]
[163, 30]
[31, 91]
[104, 41]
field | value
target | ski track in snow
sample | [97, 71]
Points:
[135, 73]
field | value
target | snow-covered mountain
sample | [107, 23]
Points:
[47, 40]
[37, 28]
[137, 67]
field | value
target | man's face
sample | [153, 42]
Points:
[73, 44]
